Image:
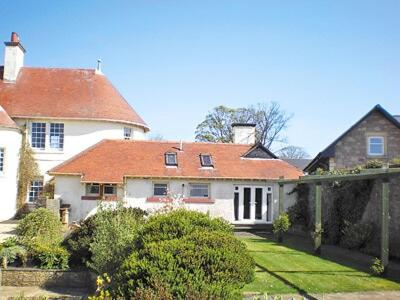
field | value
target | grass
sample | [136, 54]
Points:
[286, 269]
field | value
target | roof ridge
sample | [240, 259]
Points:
[58, 68]
[184, 142]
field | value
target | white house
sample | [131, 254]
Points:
[61, 112]
[235, 181]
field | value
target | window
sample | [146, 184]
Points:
[170, 159]
[38, 136]
[1, 160]
[206, 160]
[92, 189]
[57, 136]
[199, 190]
[127, 133]
[35, 190]
[110, 189]
[160, 189]
[376, 145]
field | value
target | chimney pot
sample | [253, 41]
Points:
[14, 37]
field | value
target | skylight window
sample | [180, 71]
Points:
[206, 160]
[170, 159]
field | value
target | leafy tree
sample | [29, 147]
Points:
[293, 152]
[269, 118]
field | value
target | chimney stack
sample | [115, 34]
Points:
[13, 58]
[244, 133]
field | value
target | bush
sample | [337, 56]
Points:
[281, 225]
[103, 240]
[114, 236]
[40, 225]
[377, 267]
[204, 264]
[357, 236]
[180, 223]
[9, 254]
[50, 256]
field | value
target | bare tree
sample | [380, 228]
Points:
[156, 137]
[270, 120]
[293, 152]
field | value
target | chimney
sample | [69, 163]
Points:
[13, 58]
[244, 133]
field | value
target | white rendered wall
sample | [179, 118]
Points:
[136, 191]
[78, 136]
[10, 140]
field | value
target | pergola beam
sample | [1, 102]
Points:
[364, 174]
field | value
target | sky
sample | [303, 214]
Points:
[326, 62]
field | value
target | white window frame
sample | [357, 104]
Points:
[160, 183]
[191, 185]
[2, 159]
[61, 135]
[127, 133]
[114, 186]
[211, 165]
[382, 138]
[35, 184]
[171, 164]
[87, 190]
[32, 137]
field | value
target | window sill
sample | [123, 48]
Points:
[38, 151]
[155, 199]
[98, 198]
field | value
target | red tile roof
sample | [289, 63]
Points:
[5, 120]
[112, 160]
[65, 94]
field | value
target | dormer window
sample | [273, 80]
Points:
[206, 160]
[170, 159]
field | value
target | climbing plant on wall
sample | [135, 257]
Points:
[27, 171]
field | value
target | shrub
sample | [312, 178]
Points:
[179, 223]
[40, 225]
[114, 235]
[377, 267]
[50, 256]
[204, 264]
[356, 236]
[10, 254]
[373, 164]
[281, 225]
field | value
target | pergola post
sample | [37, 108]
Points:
[281, 197]
[318, 225]
[385, 223]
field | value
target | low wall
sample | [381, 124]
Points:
[46, 278]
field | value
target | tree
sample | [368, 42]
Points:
[269, 118]
[293, 152]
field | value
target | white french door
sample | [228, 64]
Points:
[253, 204]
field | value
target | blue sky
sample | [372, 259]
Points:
[327, 62]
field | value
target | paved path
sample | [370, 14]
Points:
[10, 292]
[7, 229]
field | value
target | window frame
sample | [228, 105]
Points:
[114, 186]
[203, 164]
[126, 137]
[38, 192]
[382, 138]
[160, 183]
[175, 164]
[2, 159]
[61, 135]
[198, 184]
[32, 137]
[87, 193]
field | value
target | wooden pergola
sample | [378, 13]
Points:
[317, 180]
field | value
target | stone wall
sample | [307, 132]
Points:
[351, 150]
[46, 278]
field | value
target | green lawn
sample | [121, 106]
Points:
[281, 269]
